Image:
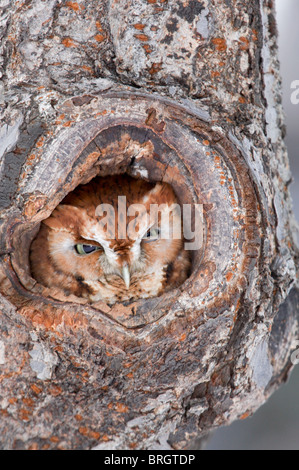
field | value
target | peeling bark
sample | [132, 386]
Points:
[193, 90]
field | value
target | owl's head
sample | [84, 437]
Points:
[111, 242]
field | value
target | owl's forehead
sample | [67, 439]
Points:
[107, 236]
[121, 230]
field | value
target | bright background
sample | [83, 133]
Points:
[276, 424]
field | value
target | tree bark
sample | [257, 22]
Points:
[186, 92]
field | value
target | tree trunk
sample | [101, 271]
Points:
[186, 92]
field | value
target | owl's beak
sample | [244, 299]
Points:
[125, 274]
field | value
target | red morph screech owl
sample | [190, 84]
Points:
[77, 254]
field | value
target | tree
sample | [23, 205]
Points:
[185, 92]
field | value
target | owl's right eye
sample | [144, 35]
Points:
[152, 235]
[82, 249]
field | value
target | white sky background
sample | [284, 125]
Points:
[275, 426]
[288, 26]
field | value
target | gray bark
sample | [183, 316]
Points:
[196, 86]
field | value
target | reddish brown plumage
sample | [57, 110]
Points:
[120, 269]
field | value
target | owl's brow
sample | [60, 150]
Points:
[151, 225]
[99, 240]
[105, 244]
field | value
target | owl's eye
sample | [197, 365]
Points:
[152, 235]
[85, 249]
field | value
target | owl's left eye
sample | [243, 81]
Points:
[82, 249]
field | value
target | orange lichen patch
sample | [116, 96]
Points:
[40, 142]
[94, 435]
[242, 100]
[46, 21]
[254, 35]
[105, 438]
[244, 43]
[12, 401]
[75, 6]
[6, 375]
[78, 417]
[33, 446]
[139, 26]
[68, 42]
[67, 123]
[148, 49]
[183, 337]
[215, 74]
[152, 2]
[130, 375]
[239, 301]
[45, 447]
[84, 431]
[102, 113]
[245, 415]
[155, 68]
[229, 276]
[95, 156]
[31, 158]
[36, 389]
[24, 414]
[99, 26]
[88, 69]
[58, 349]
[206, 142]
[75, 363]
[55, 391]
[11, 37]
[33, 205]
[28, 402]
[89, 433]
[141, 37]
[133, 445]
[51, 320]
[49, 133]
[80, 377]
[121, 408]
[127, 365]
[220, 44]
[100, 37]
[60, 119]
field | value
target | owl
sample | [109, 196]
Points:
[115, 239]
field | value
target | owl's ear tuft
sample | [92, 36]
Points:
[162, 193]
[64, 217]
